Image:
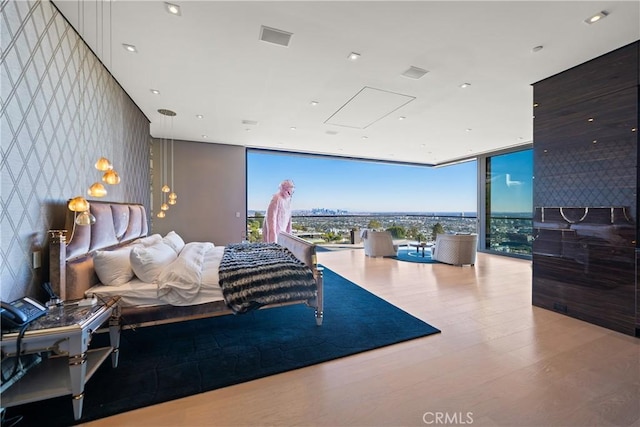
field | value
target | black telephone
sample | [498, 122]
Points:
[20, 312]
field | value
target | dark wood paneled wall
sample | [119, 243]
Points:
[585, 191]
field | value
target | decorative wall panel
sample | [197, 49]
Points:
[61, 111]
[585, 191]
[585, 153]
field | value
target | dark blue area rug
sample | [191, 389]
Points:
[411, 255]
[167, 362]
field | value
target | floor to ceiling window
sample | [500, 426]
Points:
[336, 196]
[508, 203]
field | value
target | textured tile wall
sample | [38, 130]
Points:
[60, 111]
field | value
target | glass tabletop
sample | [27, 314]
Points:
[64, 315]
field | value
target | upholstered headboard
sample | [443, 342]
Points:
[71, 252]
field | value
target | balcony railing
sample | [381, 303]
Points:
[509, 235]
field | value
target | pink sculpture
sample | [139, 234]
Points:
[278, 216]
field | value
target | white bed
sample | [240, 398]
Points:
[114, 257]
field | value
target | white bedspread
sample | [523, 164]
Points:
[179, 283]
[191, 279]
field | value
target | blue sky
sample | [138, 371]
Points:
[512, 182]
[360, 186]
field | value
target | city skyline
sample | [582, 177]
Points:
[369, 186]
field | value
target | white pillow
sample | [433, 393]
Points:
[174, 240]
[113, 267]
[149, 240]
[148, 261]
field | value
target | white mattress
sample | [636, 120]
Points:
[139, 293]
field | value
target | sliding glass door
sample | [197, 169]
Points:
[508, 203]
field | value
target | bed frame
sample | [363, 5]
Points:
[119, 224]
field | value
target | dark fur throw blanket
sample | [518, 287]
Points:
[256, 274]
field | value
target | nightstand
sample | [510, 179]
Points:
[64, 334]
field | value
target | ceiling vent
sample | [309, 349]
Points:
[271, 35]
[414, 72]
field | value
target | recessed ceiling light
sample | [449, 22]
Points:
[365, 137]
[199, 116]
[353, 56]
[155, 91]
[292, 128]
[129, 48]
[314, 103]
[173, 9]
[205, 136]
[331, 132]
[401, 118]
[468, 129]
[537, 48]
[595, 18]
[464, 85]
[249, 122]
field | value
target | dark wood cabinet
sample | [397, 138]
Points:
[585, 191]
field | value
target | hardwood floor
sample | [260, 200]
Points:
[499, 361]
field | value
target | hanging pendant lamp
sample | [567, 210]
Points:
[165, 189]
[78, 204]
[97, 190]
[173, 197]
[111, 177]
[85, 218]
[103, 164]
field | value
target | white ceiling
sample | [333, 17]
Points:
[210, 61]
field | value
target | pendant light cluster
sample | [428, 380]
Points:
[167, 196]
[97, 189]
[79, 204]
[110, 176]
